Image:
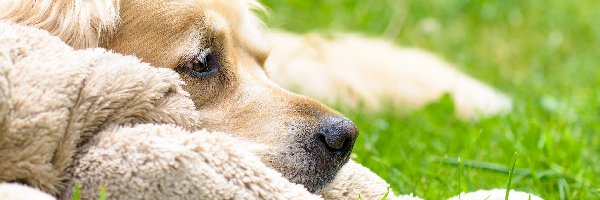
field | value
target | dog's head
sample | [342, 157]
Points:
[216, 47]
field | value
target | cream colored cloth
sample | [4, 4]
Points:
[13, 191]
[53, 99]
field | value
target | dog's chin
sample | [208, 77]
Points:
[305, 163]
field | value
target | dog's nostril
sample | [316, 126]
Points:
[338, 134]
[334, 141]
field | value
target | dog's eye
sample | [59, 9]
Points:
[202, 65]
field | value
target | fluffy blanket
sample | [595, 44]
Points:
[103, 119]
[53, 100]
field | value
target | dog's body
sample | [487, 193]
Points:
[366, 73]
[218, 50]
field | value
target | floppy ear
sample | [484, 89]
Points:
[81, 24]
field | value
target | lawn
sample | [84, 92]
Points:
[542, 53]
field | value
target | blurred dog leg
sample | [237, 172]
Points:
[354, 70]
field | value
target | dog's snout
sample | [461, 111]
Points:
[338, 134]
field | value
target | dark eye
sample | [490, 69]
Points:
[201, 65]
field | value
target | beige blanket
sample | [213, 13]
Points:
[54, 99]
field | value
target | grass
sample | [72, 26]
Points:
[513, 162]
[543, 53]
[102, 193]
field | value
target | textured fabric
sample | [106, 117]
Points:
[167, 162]
[354, 180]
[54, 99]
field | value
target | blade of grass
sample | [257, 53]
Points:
[386, 193]
[103, 194]
[482, 165]
[76, 192]
[493, 167]
[513, 162]
[563, 187]
[460, 164]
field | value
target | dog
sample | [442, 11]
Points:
[219, 51]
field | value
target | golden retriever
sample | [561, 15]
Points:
[219, 50]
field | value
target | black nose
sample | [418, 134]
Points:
[338, 134]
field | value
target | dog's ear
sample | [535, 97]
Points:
[81, 24]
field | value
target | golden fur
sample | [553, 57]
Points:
[237, 97]
[234, 97]
[364, 73]
[79, 23]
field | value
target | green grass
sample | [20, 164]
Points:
[513, 162]
[102, 193]
[543, 53]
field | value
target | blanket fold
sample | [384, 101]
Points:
[53, 99]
